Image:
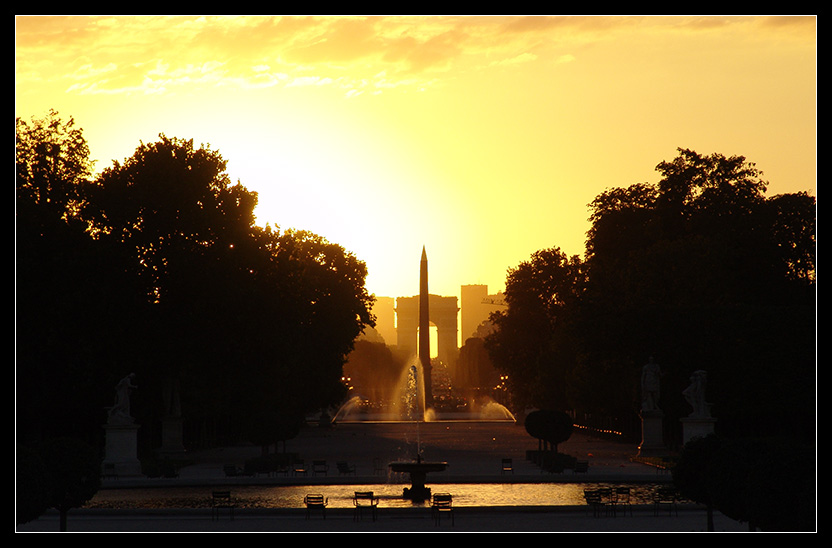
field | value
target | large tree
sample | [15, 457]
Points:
[157, 268]
[700, 270]
[533, 342]
[72, 296]
[188, 231]
[703, 271]
[251, 321]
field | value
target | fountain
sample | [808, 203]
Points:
[416, 386]
[404, 402]
[414, 401]
[418, 469]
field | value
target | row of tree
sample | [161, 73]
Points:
[156, 267]
[700, 270]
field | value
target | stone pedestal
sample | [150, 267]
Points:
[121, 449]
[652, 434]
[696, 427]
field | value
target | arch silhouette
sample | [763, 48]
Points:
[443, 313]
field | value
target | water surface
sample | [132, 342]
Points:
[340, 496]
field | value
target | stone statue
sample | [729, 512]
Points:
[120, 412]
[695, 394]
[651, 375]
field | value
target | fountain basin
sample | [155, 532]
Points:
[418, 470]
[412, 467]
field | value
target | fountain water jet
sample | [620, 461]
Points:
[418, 469]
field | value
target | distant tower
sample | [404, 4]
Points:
[424, 329]
[474, 312]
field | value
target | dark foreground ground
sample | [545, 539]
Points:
[465, 520]
[473, 452]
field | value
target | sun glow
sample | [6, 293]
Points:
[481, 138]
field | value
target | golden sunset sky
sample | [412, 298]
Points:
[481, 138]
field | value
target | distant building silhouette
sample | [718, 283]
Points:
[477, 306]
[397, 321]
[443, 314]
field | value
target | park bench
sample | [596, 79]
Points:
[595, 501]
[345, 468]
[319, 467]
[622, 498]
[608, 497]
[364, 500]
[507, 466]
[315, 502]
[442, 503]
[222, 500]
[665, 497]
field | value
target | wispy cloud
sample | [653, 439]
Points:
[151, 54]
[131, 53]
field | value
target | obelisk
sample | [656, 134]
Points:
[424, 329]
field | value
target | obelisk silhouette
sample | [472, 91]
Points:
[424, 329]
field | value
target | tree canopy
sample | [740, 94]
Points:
[533, 342]
[552, 427]
[700, 270]
[157, 267]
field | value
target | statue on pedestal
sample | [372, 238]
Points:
[699, 423]
[121, 445]
[651, 375]
[695, 394]
[652, 418]
[120, 412]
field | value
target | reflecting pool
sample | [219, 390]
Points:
[340, 496]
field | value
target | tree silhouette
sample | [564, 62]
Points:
[533, 342]
[156, 267]
[71, 292]
[551, 427]
[700, 270]
[73, 474]
[705, 272]
[693, 473]
[241, 314]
